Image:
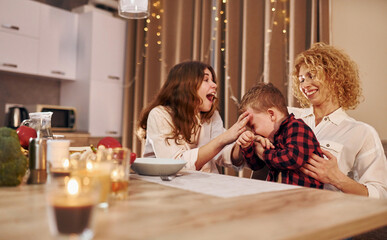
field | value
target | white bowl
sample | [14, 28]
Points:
[157, 166]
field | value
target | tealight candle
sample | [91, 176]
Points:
[71, 209]
[58, 157]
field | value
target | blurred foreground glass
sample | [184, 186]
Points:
[70, 207]
[120, 171]
[58, 157]
[133, 9]
[97, 169]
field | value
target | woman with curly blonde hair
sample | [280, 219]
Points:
[326, 83]
[183, 122]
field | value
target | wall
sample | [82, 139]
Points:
[26, 89]
[359, 27]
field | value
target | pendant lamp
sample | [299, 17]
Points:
[133, 9]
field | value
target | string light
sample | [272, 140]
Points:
[156, 14]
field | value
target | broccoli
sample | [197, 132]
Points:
[13, 163]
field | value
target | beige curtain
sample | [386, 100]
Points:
[246, 41]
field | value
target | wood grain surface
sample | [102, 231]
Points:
[154, 211]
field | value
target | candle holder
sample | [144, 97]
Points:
[120, 171]
[58, 157]
[97, 168]
[70, 207]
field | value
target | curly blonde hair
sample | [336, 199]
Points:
[341, 74]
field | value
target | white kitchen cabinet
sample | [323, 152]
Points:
[108, 47]
[57, 43]
[98, 92]
[18, 53]
[20, 17]
[105, 109]
[19, 35]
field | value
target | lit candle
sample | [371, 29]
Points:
[72, 208]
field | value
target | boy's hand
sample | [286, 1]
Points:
[265, 142]
[245, 139]
[261, 144]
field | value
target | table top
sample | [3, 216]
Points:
[155, 211]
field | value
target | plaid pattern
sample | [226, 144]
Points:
[294, 143]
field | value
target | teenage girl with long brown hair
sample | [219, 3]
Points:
[183, 122]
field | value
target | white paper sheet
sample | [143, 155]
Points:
[218, 185]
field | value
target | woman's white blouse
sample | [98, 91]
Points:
[355, 144]
[159, 125]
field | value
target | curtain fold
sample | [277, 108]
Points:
[246, 41]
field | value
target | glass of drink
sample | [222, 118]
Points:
[70, 207]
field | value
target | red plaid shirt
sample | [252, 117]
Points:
[294, 144]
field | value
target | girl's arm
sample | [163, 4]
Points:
[211, 149]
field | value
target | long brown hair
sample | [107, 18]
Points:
[179, 95]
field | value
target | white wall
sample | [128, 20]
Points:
[360, 28]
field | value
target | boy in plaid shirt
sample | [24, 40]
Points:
[293, 140]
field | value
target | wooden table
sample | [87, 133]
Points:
[154, 211]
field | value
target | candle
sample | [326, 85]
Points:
[58, 157]
[72, 208]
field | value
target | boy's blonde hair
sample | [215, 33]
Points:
[263, 96]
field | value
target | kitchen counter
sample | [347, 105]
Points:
[77, 138]
[157, 211]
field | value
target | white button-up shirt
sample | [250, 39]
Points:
[355, 144]
[159, 125]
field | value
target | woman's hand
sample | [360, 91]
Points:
[237, 129]
[321, 169]
[327, 171]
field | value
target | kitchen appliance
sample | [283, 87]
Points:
[16, 115]
[63, 117]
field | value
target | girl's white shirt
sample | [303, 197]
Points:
[159, 126]
[355, 144]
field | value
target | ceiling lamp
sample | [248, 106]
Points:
[133, 9]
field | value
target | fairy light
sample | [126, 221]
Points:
[154, 18]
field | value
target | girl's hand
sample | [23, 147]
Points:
[237, 129]
[245, 139]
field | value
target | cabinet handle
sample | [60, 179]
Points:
[111, 132]
[12, 27]
[113, 77]
[10, 65]
[58, 72]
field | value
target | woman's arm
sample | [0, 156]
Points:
[211, 149]
[327, 171]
